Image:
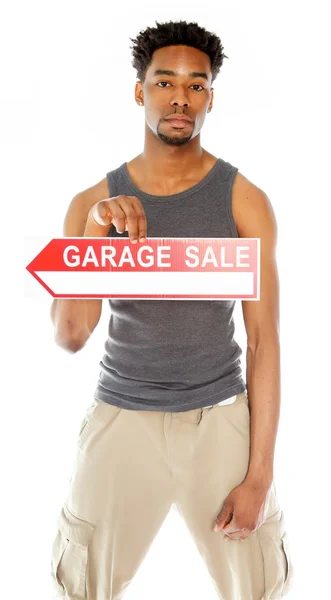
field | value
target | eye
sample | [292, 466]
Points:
[195, 85]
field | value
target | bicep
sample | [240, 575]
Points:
[255, 218]
[76, 216]
[74, 226]
[79, 207]
[261, 317]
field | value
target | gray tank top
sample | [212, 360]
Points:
[174, 355]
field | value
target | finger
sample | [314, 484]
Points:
[142, 220]
[231, 526]
[237, 536]
[134, 213]
[223, 519]
[111, 209]
[101, 213]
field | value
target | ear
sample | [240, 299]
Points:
[138, 93]
[211, 99]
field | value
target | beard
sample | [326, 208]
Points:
[173, 141]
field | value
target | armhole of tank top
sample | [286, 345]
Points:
[232, 222]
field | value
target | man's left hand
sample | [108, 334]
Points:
[243, 511]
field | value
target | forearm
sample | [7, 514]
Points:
[263, 390]
[74, 320]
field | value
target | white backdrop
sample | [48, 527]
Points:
[68, 116]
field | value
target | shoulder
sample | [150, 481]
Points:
[252, 209]
[96, 192]
[80, 205]
[87, 197]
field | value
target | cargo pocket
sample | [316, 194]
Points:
[277, 564]
[69, 557]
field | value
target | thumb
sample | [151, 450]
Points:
[223, 518]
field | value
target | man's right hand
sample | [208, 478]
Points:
[125, 212]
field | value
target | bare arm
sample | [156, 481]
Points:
[255, 217]
[74, 320]
[90, 214]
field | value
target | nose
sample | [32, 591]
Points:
[179, 97]
[175, 103]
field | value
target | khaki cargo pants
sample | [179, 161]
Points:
[130, 468]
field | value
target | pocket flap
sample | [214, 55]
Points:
[74, 529]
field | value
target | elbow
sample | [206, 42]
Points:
[263, 342]
[69, 343]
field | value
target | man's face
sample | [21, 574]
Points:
[178, 81]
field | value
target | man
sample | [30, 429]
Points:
[172, 421]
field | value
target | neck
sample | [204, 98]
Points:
[159, 159]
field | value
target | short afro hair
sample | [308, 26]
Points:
[174, 33]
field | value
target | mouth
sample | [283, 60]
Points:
[178, 123]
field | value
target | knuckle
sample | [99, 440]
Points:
[138, 202]
[119, 199]
[111, 205]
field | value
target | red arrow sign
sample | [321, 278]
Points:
[161, 268]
